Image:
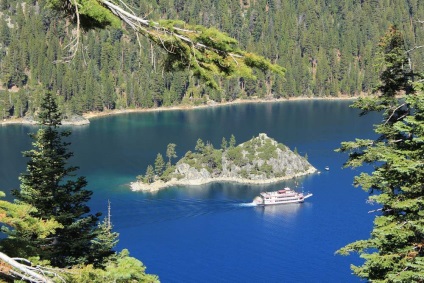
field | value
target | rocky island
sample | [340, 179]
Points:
[258, 161]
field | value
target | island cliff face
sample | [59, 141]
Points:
[257, 161]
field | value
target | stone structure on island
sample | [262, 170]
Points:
[260, 160]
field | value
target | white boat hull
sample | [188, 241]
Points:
[273, 198]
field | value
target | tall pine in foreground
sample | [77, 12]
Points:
[50, 220]
[49, 186]
[395, 250]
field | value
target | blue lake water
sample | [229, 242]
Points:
[212, 233]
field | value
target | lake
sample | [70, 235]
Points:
[212, 233]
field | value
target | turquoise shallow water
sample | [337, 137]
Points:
[212, 233]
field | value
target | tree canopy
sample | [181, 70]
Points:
[48, 185]
[394, 252]
[327, 51]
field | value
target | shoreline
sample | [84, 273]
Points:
[93, 115]
[158, 185]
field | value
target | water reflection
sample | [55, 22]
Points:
[280, 209]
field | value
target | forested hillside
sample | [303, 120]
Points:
[328, 48]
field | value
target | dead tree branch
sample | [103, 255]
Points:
[25, 272]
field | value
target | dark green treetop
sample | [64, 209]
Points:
[394, 252]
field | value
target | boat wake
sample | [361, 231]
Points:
[158, 210]
[247, 204]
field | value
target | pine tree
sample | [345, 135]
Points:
[150, 174]
[104, 242]
[48, 186]
[232, 141]
[171, 153]
[394, 252]
[224, 144]
[200, 145]
[159, 164]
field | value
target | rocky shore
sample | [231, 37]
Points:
[87, 116]
[74, 120]
[158, 185]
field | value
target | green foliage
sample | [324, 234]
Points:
[22, 228]
[48, 186]
[206, 52]
[243, 159]
[200, 146]
[92, 12]
[266, 168]
[232, 142]
[267, 150]
[120, 268]
[282, 147]
[235, 154]
[339, 57]
[253, 60]
[159, 164]
[49, 222]
[171, 153]
[393, 253]
[244, 174]
[150, 174]
[224, 144]
[396, 76]
[103, 243]
[211, 157]
[168, 173]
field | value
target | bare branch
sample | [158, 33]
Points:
[73, 45]
[394, 111]
[414, 48]
[24, 271]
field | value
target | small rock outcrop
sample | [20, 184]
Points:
[74, 120]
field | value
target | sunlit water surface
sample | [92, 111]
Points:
[213, 233]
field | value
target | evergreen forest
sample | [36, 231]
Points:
[327, 47]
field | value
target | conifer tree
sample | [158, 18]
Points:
[200, 145]
[104, 242]
[150, 174]
[48, 185]
[232, 141]
[224, 144]
[171, 153]
[159, 164]
[395, 250]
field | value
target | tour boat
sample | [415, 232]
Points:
[283, 196]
